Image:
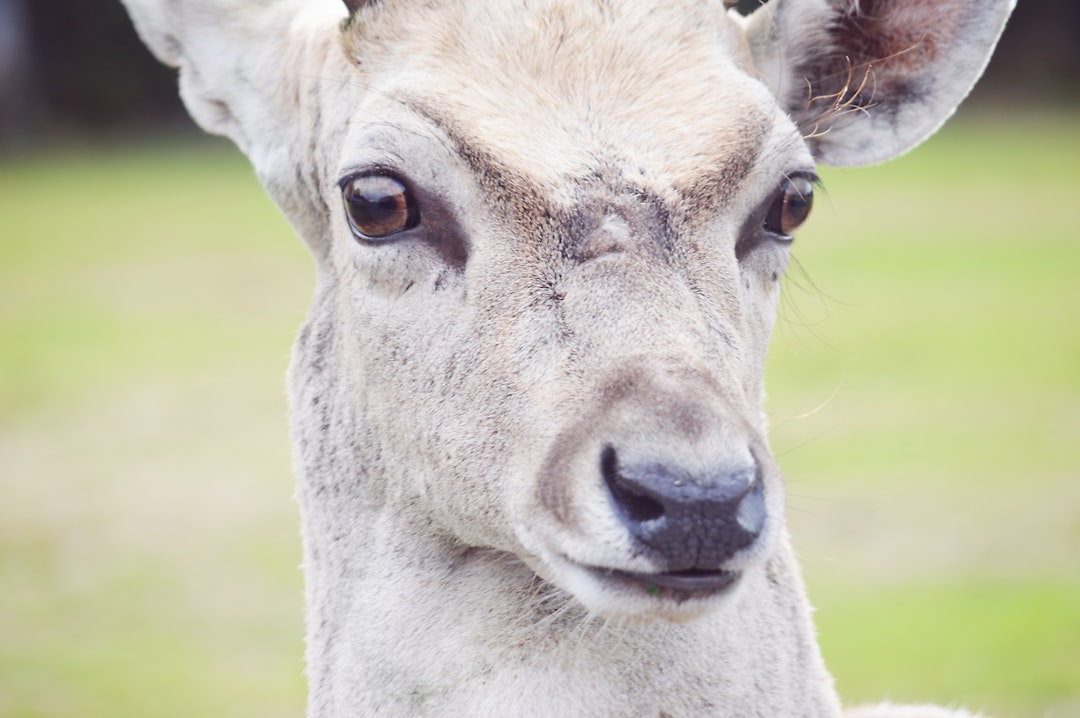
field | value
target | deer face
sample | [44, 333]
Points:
[559, 304]
[550, 238]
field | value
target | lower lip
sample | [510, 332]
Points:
[678, 585]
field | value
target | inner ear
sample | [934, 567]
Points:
[866, 80]
[877, 55]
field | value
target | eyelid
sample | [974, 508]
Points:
[375, 170]
[808, 174]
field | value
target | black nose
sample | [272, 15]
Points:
[687, 521]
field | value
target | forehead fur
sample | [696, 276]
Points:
[555, 86]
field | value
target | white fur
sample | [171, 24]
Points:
[585, 171]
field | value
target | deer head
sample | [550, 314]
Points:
[550, 237]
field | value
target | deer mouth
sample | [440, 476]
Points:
[679, 595]
[677, 586]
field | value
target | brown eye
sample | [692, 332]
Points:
[791, 206]
[378, 206]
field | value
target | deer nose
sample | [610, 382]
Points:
[687, 521]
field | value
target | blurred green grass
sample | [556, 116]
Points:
[925, 400]
[924, 396]
[148, 540]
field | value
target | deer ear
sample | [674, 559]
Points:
[241, 62]
[867, 80]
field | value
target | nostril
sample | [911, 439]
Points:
[639, 508]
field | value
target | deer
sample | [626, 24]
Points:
[534, 477]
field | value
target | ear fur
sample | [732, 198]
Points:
[867, 80]
[236, 59]
[248, 69]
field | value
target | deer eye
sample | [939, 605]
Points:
[378, 206]
[791, 206]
